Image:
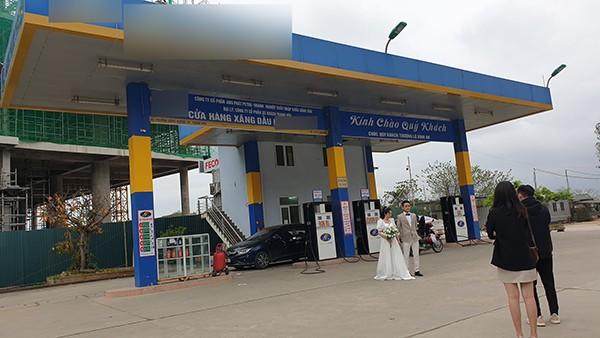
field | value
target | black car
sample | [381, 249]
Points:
[271, 244]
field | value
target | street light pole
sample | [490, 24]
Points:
[555, 72]
[534, 179]
[394, 33]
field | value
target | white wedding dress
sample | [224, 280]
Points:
[391, 264]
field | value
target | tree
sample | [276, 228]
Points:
[544, 194]
[486, 180]
[441, 179]
[489, 200]
[403, 190]
[81, 219]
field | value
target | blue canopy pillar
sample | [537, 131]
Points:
[254, 187]
[338, 183]
[465, 179]
[140, 178]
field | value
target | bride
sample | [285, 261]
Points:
[391, 264]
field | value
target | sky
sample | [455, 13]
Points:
[517, 40]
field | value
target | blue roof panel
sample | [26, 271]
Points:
[327, 53]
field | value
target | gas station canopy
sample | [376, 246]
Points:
[83, 68]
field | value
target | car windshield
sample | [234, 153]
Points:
[263, 234]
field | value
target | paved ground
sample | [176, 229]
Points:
[458, 297]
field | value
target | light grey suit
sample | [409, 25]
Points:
[409, 238]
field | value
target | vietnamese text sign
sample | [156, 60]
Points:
[395, 127]
[234, 113]
[146, 232]
[346, 219]
[474, 208]
[342, 182]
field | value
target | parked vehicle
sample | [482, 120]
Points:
[270, 245]
[428, 238]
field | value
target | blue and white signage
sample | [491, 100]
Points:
[317, 195]
[234, 113]
[395, 127]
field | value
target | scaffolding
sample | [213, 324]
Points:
[120, 200]
[14, 206]
[89, 130]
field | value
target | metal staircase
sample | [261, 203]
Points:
[219, 221]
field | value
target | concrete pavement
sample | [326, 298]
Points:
[458, 297]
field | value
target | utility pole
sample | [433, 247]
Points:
[534, 179]
[409, 170]
[410, 179]
[567, 177]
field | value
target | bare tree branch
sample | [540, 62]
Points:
[81, 219]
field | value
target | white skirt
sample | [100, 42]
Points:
[524, 276]
[391, 264]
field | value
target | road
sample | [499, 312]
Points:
[458, 297]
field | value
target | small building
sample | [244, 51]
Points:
[560, 211]
[585, 207]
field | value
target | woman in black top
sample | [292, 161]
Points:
[507, 224]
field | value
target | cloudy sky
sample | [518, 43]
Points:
[517, 40]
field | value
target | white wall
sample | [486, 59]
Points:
[306, 175]
[234, 197]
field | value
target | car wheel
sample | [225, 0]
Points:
[262, 260]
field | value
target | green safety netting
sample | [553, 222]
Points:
[79, 129]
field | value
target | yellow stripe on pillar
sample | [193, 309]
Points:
[254, 187]
[140, 164]
[463, 168]
[336, 166]
[372, 186]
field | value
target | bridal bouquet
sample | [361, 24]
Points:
[390, 232]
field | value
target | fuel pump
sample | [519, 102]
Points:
[366, 214]
[455, 221]
[321, 236]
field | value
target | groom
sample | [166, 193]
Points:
[407, 225]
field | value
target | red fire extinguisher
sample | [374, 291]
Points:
[219, 260]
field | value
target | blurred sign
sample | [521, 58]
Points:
[364, 194]
[346, 218]
[317, 195]
[146, 232]
[474, 208]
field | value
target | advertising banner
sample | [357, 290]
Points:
[235, 113]
[395, 127]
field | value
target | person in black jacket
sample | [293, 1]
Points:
[539, 218]
[507, 225]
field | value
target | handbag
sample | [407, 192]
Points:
[533, 250]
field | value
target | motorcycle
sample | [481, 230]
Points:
[428, 239]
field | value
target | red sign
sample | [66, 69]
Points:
[210, 164]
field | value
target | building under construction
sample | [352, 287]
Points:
[45, 153]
